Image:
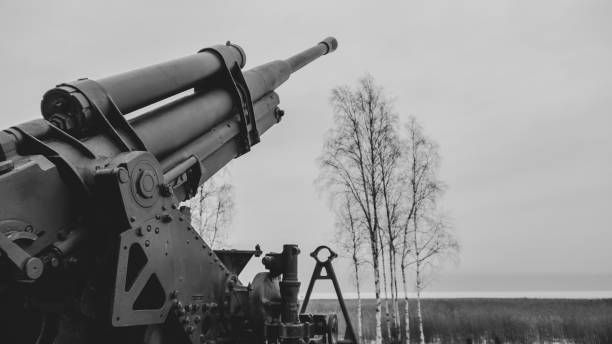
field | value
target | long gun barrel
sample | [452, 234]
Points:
[192, 128]
[268, 77]
[189, 138]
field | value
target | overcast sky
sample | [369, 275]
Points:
[516, 93]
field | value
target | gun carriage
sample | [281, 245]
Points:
[94, 246]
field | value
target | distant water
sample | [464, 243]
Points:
[605, 294]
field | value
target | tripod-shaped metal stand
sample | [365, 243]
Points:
[349, 335]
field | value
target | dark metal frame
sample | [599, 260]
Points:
[330, 275]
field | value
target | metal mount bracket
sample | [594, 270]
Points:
[163, 267]
[234, 81]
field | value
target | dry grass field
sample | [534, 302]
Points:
[496, 320]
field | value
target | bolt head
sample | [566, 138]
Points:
[33, 268]
[146, 184]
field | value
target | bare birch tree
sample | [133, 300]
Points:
[212, 210]
[423, 243]
[433, 243]
[391, 182]
[349, 236]
[350, 162]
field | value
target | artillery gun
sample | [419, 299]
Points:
[94, 246]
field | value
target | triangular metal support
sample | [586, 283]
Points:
[349, 335]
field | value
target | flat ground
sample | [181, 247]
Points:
[493, 320]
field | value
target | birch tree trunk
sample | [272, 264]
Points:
[393, 286]
[406, 308]
[359, 313]
[419, 313]
[384, 274]
[417, 262]
[356, 263]
[378, 300]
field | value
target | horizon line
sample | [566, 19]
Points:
[577, 294]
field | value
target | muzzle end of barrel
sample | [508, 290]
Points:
[330, 43]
